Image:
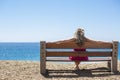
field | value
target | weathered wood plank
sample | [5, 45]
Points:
[68, 60]
[66, 54]
[43, 57]
[114, 56]
[72, 44]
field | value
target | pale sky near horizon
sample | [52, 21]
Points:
[52, 20]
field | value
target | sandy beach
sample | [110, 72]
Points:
[29, 70]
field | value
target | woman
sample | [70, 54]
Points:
[80, 39]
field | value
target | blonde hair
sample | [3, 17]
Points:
[79, 36]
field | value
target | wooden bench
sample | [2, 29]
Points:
[57, 49]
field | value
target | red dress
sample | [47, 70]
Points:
[77, 57]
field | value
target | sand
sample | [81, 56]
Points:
[29, 70]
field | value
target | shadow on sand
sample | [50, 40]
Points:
[97, 72]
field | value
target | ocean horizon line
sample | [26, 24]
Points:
[19, 42]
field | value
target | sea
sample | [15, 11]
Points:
[20, 51]
[23, 51]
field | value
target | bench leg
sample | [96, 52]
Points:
[109, 65]
[43, 58]
[114, 57]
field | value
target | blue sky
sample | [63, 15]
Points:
[52, 20]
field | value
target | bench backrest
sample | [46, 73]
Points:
[65, 49]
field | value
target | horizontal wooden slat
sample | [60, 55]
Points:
[66, 54]
[68, 60]
[87, 44]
